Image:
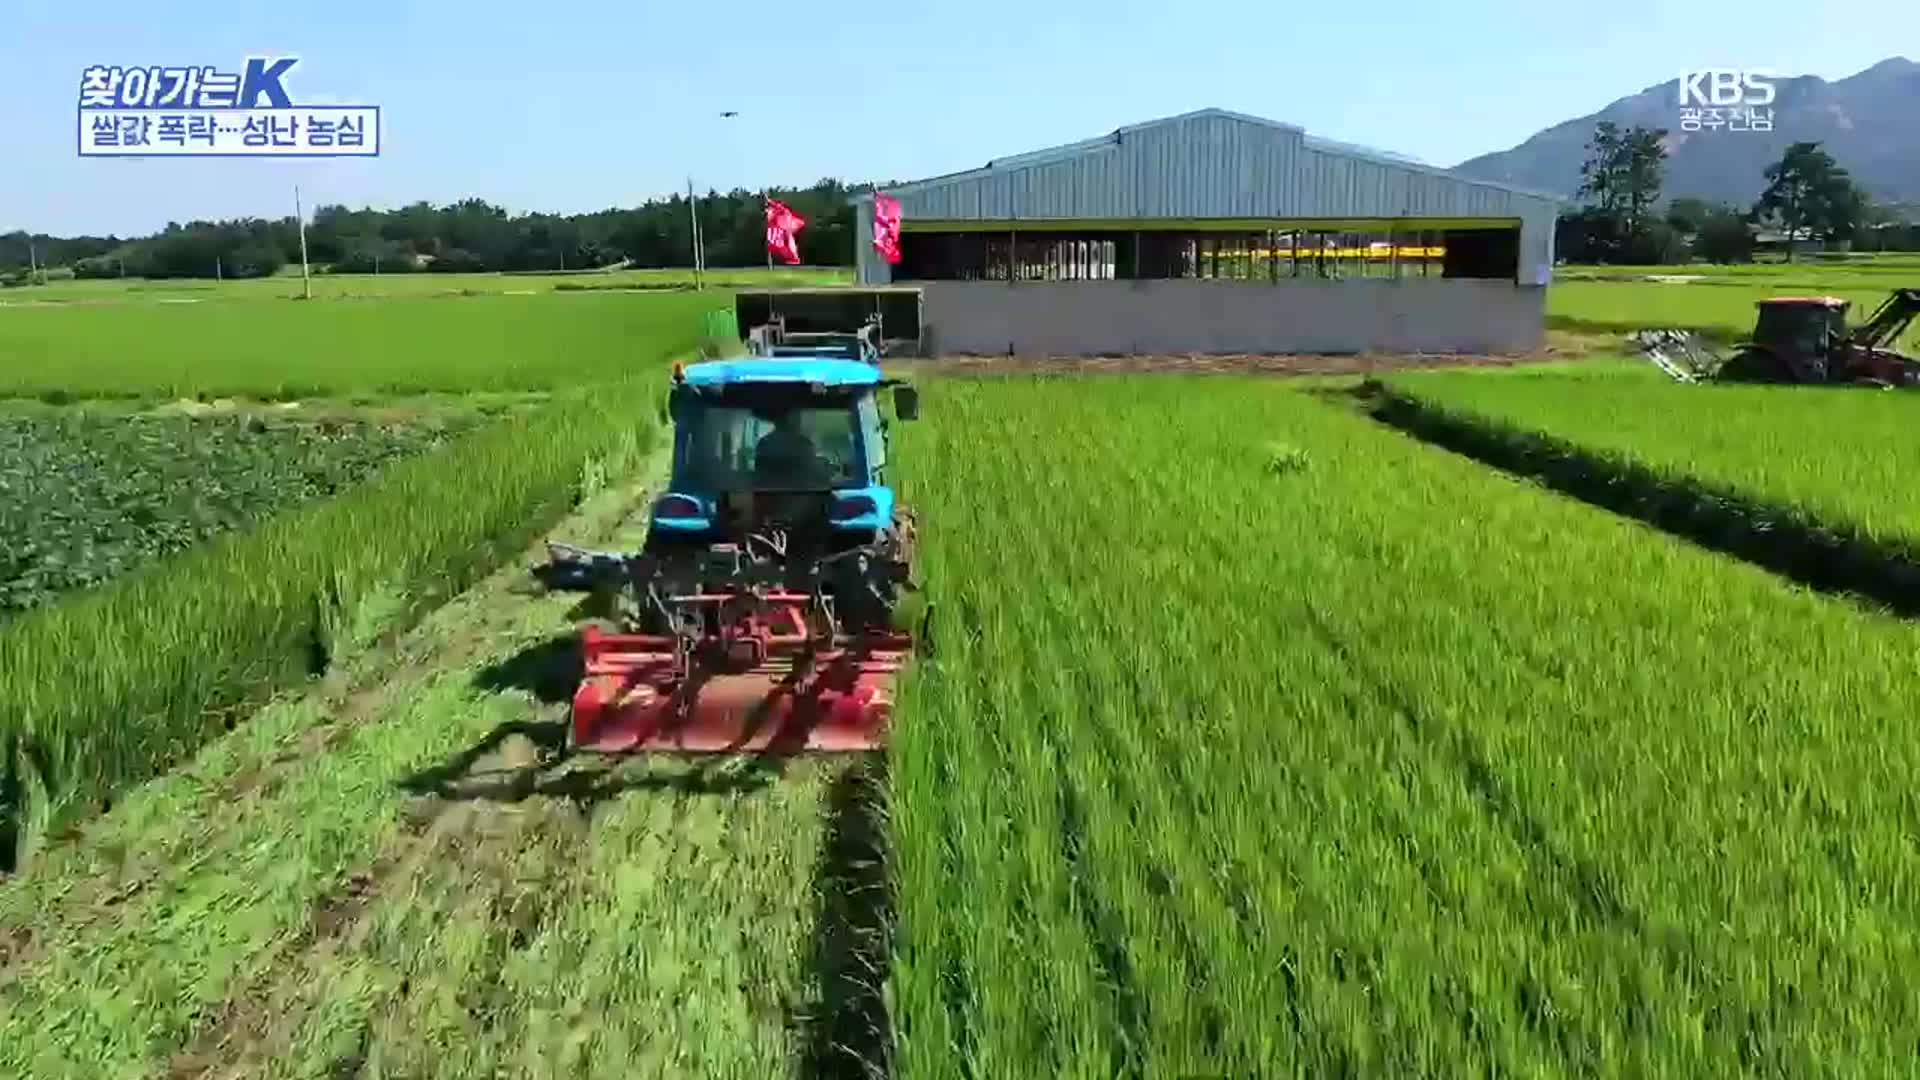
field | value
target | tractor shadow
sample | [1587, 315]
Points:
[843, 1028]
[525, 759]
[844, 1031]
[549, 670]
[529, 759]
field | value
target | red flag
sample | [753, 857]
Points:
[782, 227]
[886, 226]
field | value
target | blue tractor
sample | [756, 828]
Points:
[763, 610]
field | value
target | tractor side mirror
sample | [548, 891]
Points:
[906, 402]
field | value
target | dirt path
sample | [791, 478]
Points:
[399, 872]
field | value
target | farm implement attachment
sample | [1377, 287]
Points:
[763, 612]
[1799, 339]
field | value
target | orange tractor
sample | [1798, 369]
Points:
[1800, 339]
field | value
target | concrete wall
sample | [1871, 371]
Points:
[1068, 318]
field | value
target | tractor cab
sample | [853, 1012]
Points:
[797, 444]
[1796, 339]
[1803, 327]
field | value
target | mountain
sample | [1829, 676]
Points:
[1864, 120]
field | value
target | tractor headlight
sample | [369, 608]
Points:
[678, 508]
[848, 507]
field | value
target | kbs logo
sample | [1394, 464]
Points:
[1726, 86]
[1730, 98]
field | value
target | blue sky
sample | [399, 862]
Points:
[580, 105]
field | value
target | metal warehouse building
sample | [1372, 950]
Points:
[1217, 232]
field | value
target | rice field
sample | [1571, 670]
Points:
[1724, 310]
[1827, 458]
[1337, 754]
[249, 604]
[391, 875]
[1259, 738]
[344, 347]
[1718, 300]
[1807, 268]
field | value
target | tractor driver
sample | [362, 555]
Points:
[786, 457]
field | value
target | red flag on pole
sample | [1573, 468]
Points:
[783, 225]
[886, 227]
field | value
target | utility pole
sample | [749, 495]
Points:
[33, 262]
[306, 282]
[216, 269]
[699, 254]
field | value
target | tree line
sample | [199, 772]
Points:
[466, 236]
[1808, 196]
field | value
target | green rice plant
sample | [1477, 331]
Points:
[116, 684]
[1389, 765]
[1818, 458]
[275, 351]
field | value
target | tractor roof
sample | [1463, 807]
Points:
[1823, 301]
[824, 372]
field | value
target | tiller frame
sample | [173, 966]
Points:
[752, 664]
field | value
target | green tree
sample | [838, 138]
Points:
[1687, 214]
[1809, 195]
[1621, 180]
[1644, 155]
[468, 235]
[1601, 178]
[1724, 236]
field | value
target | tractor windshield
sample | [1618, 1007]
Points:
[810, 447]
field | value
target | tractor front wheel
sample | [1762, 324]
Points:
[905, 533]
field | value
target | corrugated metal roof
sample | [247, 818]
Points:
[1357, 150]
[1214, 164]
[1118, 138]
